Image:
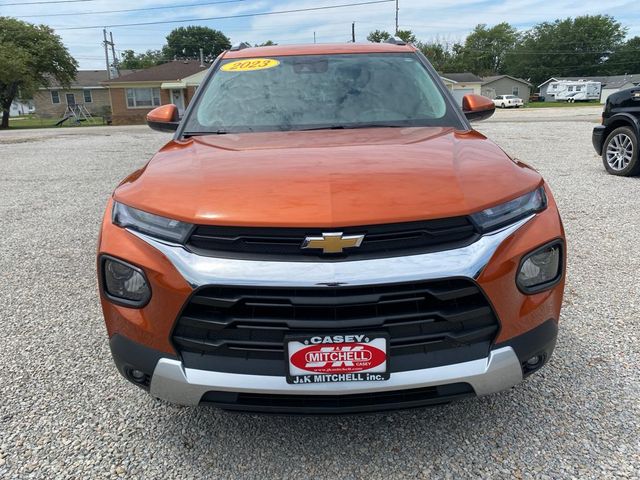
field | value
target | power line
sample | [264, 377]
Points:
[48, 1]
[131, 9]
[245, 15]
[574, 52]
[230, 32]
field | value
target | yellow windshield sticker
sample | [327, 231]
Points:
[250, 65]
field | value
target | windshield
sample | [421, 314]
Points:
[320, 91]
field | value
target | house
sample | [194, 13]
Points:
[136, 94]
[86, 90]
[615, 84]
[609, 84]
[19, 108]
[462, 84]
[506, 85]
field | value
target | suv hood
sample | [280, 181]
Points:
[326, 178]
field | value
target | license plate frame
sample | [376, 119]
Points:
[337, 358]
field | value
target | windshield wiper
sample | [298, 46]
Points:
[197, 134]
[351, 127]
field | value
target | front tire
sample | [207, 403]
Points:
[620, 153]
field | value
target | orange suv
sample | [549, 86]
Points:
[326, 233]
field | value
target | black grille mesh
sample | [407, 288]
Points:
[379, 240]
[237, 328]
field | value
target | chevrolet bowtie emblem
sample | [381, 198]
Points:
[333, 242]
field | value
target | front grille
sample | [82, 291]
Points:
[379, 240]
[331, 404]
[243, 329]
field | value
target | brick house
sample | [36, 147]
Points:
[136, 94]
[86, 89]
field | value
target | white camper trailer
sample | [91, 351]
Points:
[574, 90]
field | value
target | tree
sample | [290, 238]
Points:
[30, 56]
[406, 36]
[626, 59]
[268, 43]
[438, 54]
[485, 49]
[378, 36]
[186, 42]
[131, 60]
[568, 48]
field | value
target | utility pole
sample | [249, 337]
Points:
[397, 10]
[108, 44]
[314, 37]
[202, 57]
[106, 52]
[353, 32]
[113, 51]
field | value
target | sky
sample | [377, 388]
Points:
[447, 21]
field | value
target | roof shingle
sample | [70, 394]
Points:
[466, 77]
[166, 72]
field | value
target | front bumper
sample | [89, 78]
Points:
[169, 380]
[175, 273]
[598, 137]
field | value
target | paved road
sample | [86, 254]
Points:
[66, 413]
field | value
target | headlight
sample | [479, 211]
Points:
[154, 225]
[541, 269]
[512, 211]
[124, 283]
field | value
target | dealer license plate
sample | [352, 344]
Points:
[337, 358]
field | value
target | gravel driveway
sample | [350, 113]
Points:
[65, 412]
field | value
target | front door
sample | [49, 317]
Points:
[71, 99]
[177, 98]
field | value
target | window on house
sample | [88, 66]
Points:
[87, 96]
[515, 91]
[55, 96]
[143, 97]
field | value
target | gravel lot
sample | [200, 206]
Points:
[65, 412]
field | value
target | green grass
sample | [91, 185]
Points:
[34, 121]
[562, 104]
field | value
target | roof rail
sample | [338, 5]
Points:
[240, 46]
[395, 41]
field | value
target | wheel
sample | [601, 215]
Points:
[620, 153]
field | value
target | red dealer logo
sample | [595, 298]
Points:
[340, 358]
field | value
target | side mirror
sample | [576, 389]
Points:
[164, 119]
[477, 107]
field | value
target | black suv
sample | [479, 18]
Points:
[617, 138]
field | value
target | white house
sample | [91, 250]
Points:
[614, 86]
[20, 108]
[462, 84]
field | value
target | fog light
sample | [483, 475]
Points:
[534, 361]
[138, 376]
[125, 283]
[541, 269]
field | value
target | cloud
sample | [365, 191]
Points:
[448, 20]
